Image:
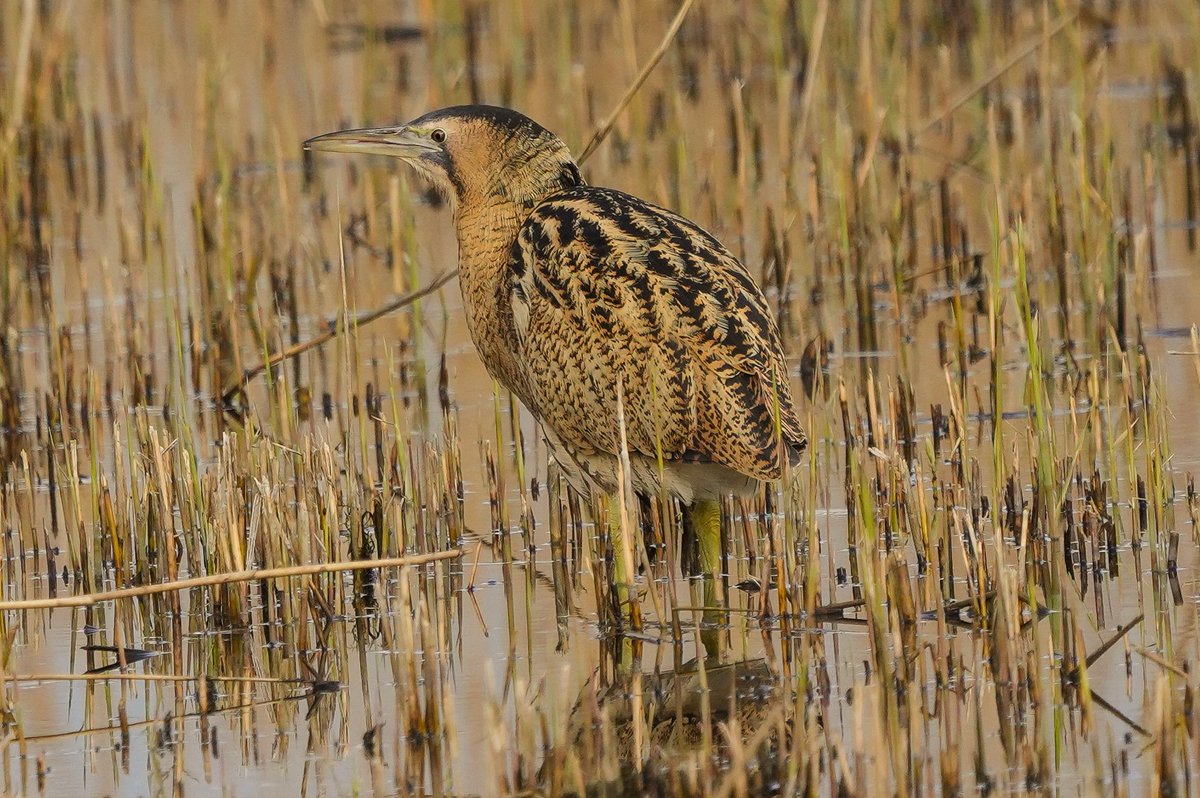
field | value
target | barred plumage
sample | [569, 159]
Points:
[609, 289]
[571, 290]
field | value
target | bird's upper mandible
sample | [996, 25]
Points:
[572, 290]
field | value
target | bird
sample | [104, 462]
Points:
[579, 296]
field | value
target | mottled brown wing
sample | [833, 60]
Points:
[609, 289]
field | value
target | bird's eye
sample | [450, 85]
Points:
[439, 136]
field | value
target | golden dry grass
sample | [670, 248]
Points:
[977, 222]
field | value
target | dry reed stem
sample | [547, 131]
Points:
[1116, 638]
[92, 599]
[1161, 662]
[146, 677]
[1015, 57]
[967, 490]
[16, 116]
[123, 728]
[333, 331]
[603, 129]
[598, 136]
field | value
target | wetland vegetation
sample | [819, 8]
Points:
[975, 221]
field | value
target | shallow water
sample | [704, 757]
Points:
[182, 239]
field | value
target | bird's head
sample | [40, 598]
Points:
[473, 154]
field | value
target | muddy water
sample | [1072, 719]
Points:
[177, 205]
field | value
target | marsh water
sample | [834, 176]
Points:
[976, 223]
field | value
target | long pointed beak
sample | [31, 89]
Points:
[397, 142]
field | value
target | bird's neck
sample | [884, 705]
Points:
[486, 232]
[487, 217]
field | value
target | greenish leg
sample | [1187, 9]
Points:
[706, 518]
[627, 659]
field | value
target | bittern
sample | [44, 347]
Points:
[576, 295]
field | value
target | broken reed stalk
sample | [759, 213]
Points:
[146, 677]
[165, 722]
[92, 599]
[598, 135]
[1014, 57]
[603, 129]
[334, 328]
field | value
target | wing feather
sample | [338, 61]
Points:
[612, 289]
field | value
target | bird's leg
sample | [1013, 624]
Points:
[624, 653]
[705, 518]
[713, 621]
[701, 543]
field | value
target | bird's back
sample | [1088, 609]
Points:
[575, 295]
[608, 289]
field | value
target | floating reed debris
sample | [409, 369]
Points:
[235, 577]
[334, 329]
[975, 222]
[143, 677]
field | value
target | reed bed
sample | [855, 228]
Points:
[977, 224]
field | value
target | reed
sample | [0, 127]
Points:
[236, 390]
